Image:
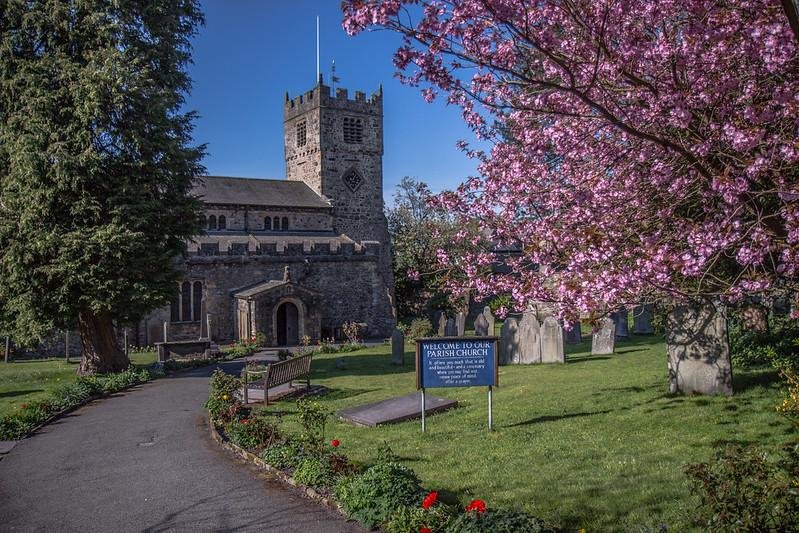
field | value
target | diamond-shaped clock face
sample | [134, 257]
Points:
[353, 179]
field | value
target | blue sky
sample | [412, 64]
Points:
[251, 52]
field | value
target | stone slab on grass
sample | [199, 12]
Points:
[282, 392]
[6, 446]
[396, 409]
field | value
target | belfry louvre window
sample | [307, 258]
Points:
[353, 130]
[301, 133]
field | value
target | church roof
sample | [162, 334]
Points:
[256, 191]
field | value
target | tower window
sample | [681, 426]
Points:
[353, 130]
[268, 223]
[222, 223]
[301, 133]
[212, 222]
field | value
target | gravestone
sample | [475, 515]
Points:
[642, 320]
[529, 339]
[460, 323]
[754, 318]
[509, 341]
[699, 350]
[397, 348]
[490, 319]
[480, 326]
[442, 324]
[450, 330]
[622, 329]
[604, 339]
[573, 335]
[552, 341]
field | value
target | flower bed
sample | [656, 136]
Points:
[385, 494]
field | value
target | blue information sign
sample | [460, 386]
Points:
[456, 362]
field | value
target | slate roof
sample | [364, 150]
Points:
[256, 191]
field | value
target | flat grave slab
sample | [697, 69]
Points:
[395, 410]
[256, 394]
[6, 446]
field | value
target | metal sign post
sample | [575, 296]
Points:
[423, 410]
[490, 414]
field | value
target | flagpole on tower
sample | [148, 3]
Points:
[317, 49]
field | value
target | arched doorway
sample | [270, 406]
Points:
[288, 325]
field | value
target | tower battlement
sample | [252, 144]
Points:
[320, 96]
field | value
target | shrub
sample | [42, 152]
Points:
[327, 346]
[315, 472]
[284, 354]
[372, 497]
[284, 455]
[352, 330]
[251, 433]
[744, 489]
[222, 402]
[313, 418]
[411, 519]
[497, 521]
[419, 328]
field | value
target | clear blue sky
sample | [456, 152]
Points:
[251, 52]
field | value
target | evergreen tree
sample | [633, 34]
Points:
[96, 165]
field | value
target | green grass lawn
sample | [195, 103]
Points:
[30, 380]
[595, 443]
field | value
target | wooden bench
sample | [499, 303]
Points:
[280, 373]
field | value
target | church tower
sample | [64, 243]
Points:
[335, 145]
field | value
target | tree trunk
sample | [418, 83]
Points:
[101, 352]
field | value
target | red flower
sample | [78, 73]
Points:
[429, 500]
[477, 505]
[335, 443]
[425, 530]
[245, 421]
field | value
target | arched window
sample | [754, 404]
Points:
[276, 224]
[185, 301]
[285, 225]
[196, 301]
[268, 223]
[203, 222]
[222, 223]
[212, 222]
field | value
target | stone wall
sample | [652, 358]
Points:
[251, 219]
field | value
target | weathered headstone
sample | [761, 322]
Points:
[509, 341]
[573, 335]
[397, 348]
[460, 323]
[754, 318]
[642, 320]
[480, 326]
[604, 339]
[451, 329]
[442, 324]
[699, 350]
[529, 339]
[552, 341]
[490, 319]
[622, 329]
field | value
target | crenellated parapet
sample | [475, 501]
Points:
[320, 96]
[282, 250]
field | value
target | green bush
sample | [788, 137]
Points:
[411, 519]
[284, 455]
[222, 402]
[779, 346]
[497, 521]
[315, 472]
[419, 328]
[251, 433]
[313, 418]
[746, 489]
[373, 496]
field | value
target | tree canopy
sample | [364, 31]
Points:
[640, 149]
[96, 164]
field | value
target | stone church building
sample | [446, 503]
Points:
[298, 256]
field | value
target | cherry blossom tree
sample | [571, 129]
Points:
[638, 149]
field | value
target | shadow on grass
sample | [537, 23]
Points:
[11, 394]
[552, 418]
[744, 380]
[586, 358]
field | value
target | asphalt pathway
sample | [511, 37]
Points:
[143, 460]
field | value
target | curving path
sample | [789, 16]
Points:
[144, 461]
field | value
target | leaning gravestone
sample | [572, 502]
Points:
[529, 339]
[397, 348]
[451, 330]
[480, 326]
[460, 323]
[573, 335]
[509, 341]
[622, 329]
[604, 340]
[642, 320]
[552, 341]
[442, 324]
[490, 319]
[699, 350]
